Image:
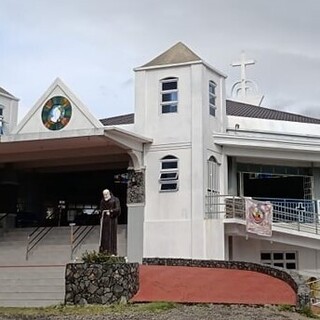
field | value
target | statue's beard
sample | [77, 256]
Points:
[108, 197]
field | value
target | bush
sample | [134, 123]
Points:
[306, 311]
[101, 257]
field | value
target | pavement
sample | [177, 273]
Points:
[211, 285]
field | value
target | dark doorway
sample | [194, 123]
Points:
[272, 186]
[67, 196]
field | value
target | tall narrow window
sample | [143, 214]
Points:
[169, 95]
[212, 98]
[212, 198]
[213, 176]
[1, 119]
[169, 174]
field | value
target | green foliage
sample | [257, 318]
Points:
[82, 311]
[286, 307]
[101, 257]
[155, 307]
[306, 311]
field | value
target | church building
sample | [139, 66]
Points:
[198, 175]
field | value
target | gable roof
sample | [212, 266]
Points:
[234, 108]
[6, 92]
[179, 53]
[81, 117]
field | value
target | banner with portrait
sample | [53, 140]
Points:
[259, 217]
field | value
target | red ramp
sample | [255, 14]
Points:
[211, 285]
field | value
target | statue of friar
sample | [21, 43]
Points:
[110, 210]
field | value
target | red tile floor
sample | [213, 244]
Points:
[210, 285]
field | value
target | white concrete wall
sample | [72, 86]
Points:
[80, 119]
[274, 126]
[10, 113]
[249, 250]
[149, 121]
[174, 221]
[168, 214]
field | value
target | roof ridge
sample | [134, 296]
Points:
[178, 53]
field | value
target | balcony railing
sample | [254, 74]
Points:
[297, 214]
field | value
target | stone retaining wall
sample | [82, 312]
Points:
[101, 283]
[295, 281]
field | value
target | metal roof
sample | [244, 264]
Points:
[123, 119]
[239, 109]
[234, 108]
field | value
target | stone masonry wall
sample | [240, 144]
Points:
[135, 191]
[101, 283]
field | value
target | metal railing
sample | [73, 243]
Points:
[297, 214]
[4, 216]
[37, 235]
[77, 236]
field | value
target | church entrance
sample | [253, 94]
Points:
[60, 198]
[56, 182]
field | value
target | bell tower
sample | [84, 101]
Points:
[8, 112]
[179, 103]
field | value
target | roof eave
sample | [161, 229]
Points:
[133, 135]
[181, 64]
[10, 96]
[171, 65]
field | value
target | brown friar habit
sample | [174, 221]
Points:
[109, 223]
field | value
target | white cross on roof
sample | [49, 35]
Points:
[245, 90]
[242, 64]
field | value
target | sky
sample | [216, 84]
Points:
[94, 45]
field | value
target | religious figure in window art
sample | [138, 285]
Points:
[110, 210]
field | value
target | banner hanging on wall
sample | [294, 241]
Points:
[259, 217]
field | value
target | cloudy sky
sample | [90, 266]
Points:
[93, 46]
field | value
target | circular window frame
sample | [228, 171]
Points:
[65, 113]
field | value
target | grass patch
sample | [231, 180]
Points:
[153, 307]
[286, 307]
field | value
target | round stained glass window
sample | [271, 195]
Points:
[56, 113]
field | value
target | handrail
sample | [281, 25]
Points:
[35, 237]
[44, 231]
[6, 214]
[75, 242]
[296, 214]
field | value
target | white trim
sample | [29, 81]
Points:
[9, 96]
[76, 103]
[173, 65]
[170, 146]
[267, 142]
[140, 204]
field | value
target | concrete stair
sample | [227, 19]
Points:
[40, 280]
[31, 286]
